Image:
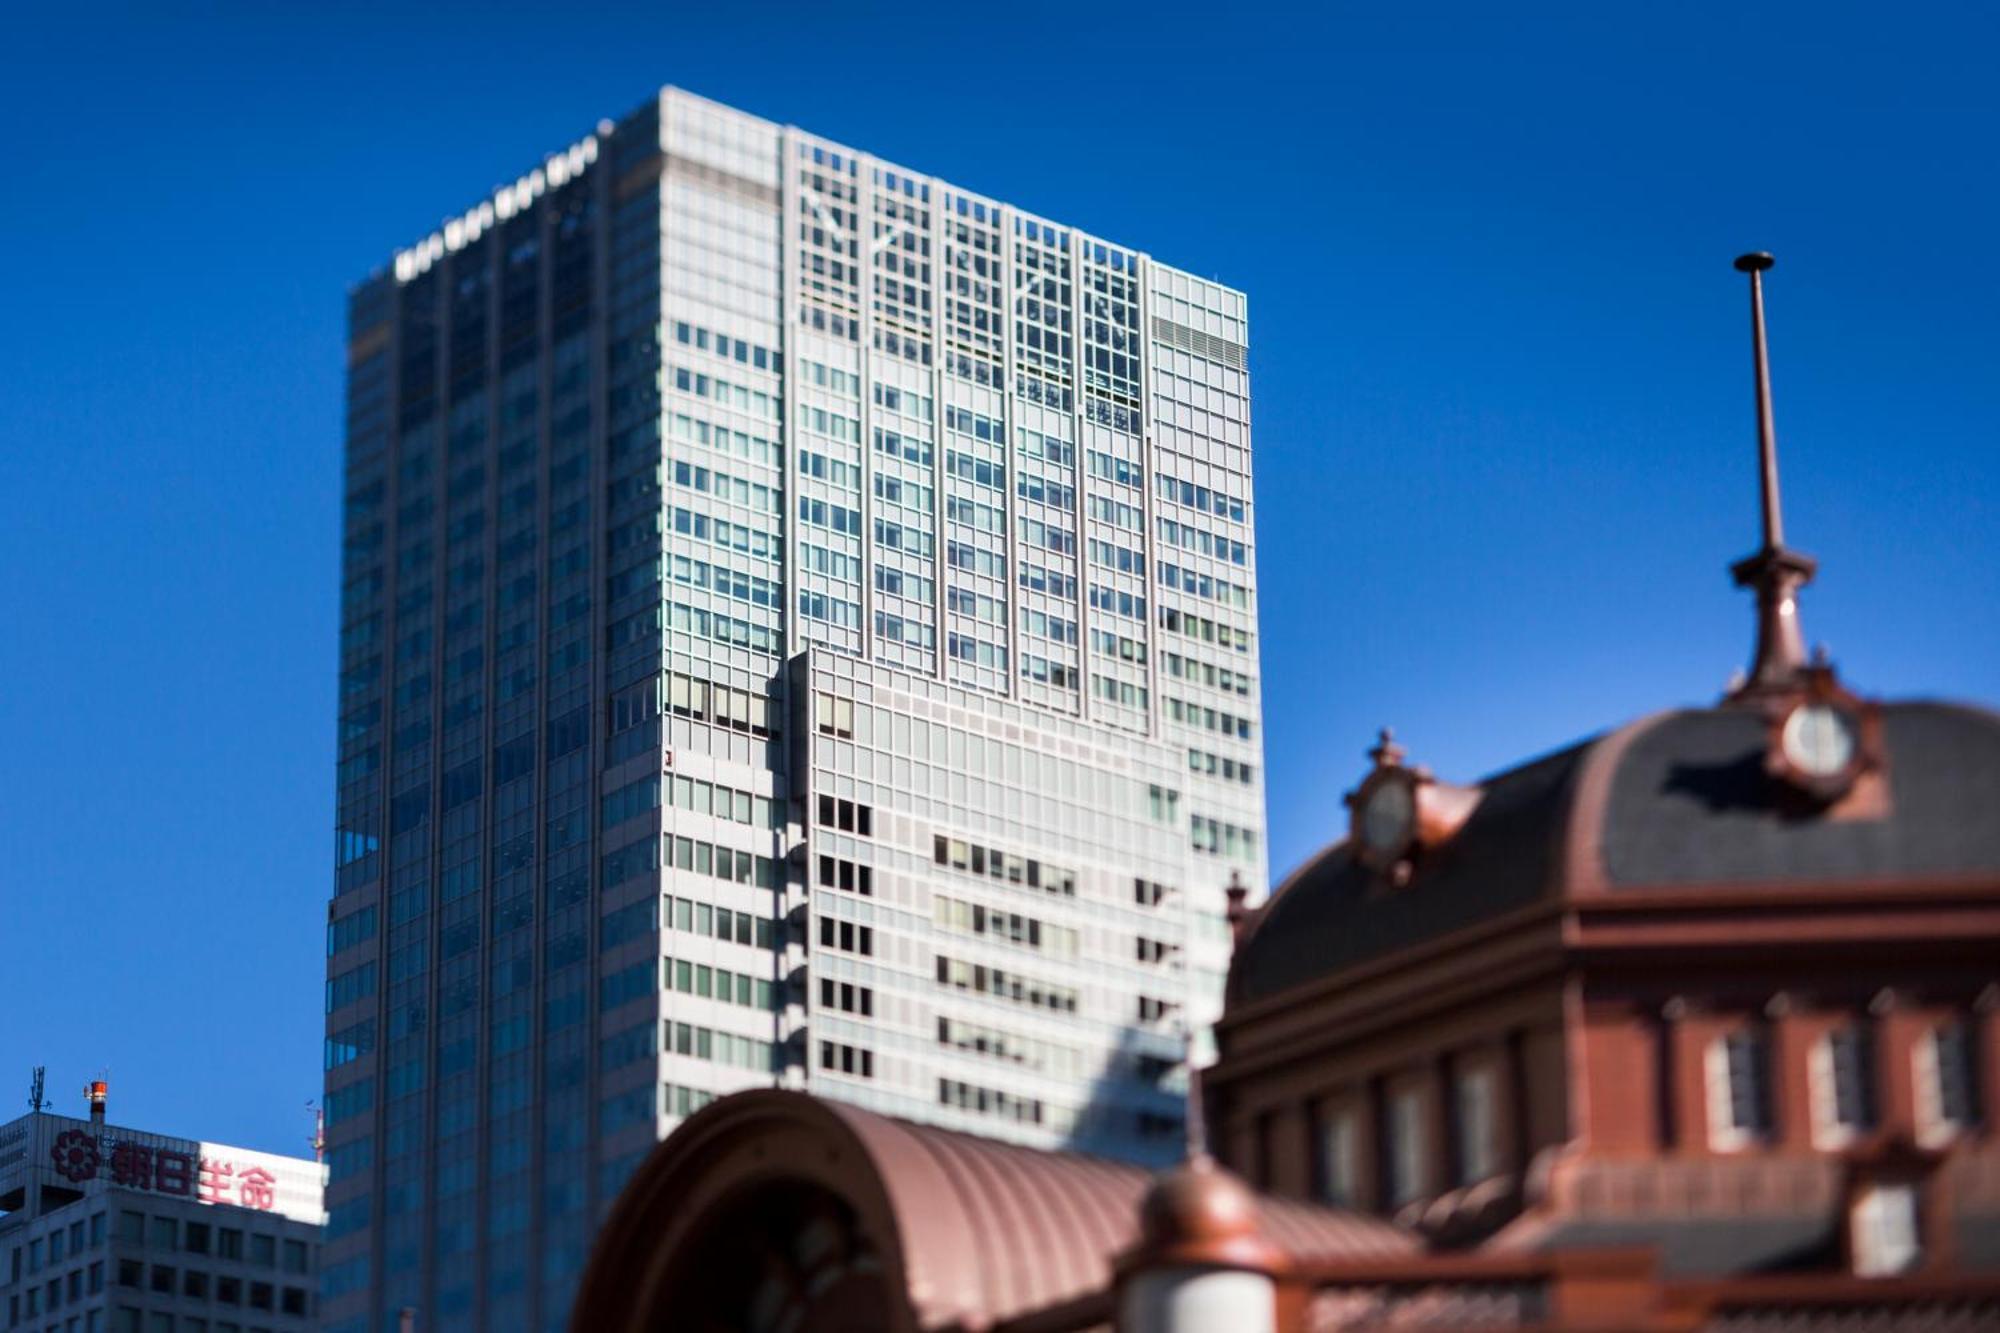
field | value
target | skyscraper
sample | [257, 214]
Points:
[798, 628]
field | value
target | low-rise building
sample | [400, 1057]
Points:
[105, 1229]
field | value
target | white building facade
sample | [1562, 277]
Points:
[799, 628]
[112, 1230]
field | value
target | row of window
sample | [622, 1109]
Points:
[999, 1044]
[722, 1047]
[846, 997]
[199, 1285]
[841, 1058]
[1204, 585]
[730, 536]
[27, 1260]
[839, 873]
[739, 396]
[163, 1233]
[724, 439]
[1207, 673]
[1737, 1078]
[1007, 927]
[960, 854]
[718, 983]
[1844, 1082]
[1207, 631]
[1004, 985]
[847, 936]
[1202, 542]
[735, 490]
[50, 1296]
[1219, 837]
[847, 816]
[990, 1101]
[723, 345]
[696, 795]
[1175, 491]
[701, 858]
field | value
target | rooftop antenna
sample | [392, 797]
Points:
[1776, 572]
[36, 1101]
[317, 1139]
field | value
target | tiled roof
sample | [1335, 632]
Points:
[1679, 800]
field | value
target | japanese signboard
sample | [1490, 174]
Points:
[79, 1152]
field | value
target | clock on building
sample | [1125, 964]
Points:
[1822, 737]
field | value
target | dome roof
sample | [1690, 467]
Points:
[1678, 800]
[954, 1229]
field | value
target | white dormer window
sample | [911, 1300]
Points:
[1739, 1090]
[1882, 1230]
[1947, 1082]
[1842, 1074]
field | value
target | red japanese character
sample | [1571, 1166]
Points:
[256, 1191]
[173, 1172]
[215, 1180]
[132, 1164]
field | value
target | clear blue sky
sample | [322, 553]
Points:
[1501, 392]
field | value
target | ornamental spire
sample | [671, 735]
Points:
[1776, 572]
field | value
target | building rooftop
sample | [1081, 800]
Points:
[1680, 800]
[974, 1230]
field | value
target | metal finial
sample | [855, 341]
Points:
[1756, 265]
[1775, 572]
[1237, 893]
[1385, 752]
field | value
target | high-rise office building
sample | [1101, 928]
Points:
[798, 628]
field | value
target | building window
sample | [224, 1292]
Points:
[1883, 1229]
[1477, 1132]
[1842, 1068]
[1406, 1146]
[1340, 1156]
[1947, 1081]
[834, 716]
[1739, 1089]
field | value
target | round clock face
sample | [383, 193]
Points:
[1819, 741]
[1387, 817]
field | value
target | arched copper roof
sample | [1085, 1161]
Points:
[974, 1231]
